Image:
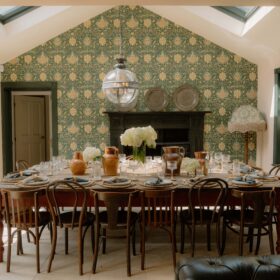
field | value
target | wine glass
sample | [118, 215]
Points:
[171, 165]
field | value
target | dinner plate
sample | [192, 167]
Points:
[35, 181]
[246, 184]
[185, 98]
[13, 177]
[81, 181]
[114, 186]
[267, 178]
[117, 181]
[155, 99]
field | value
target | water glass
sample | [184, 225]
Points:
[96, 170]
[236, 167]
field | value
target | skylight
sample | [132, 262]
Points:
[242, 13]
[8, 13]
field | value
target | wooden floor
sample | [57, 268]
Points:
[113, 264]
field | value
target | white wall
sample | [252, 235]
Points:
[1, 151]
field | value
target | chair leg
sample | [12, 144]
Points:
[54, 239]
[224, 229]
[270, 236]
[173, 240]
[37, 249]
[92, 234]
[128, 261]
[104, 239]
[182, 238]
[96, 248]
[250, 238]
[9, 250]
[192, 239]
[19, 243]
[80, 250]
[133, 239]
[208, 233]
[66, 241]
[142, 247]
[241, 234]
[258, 240]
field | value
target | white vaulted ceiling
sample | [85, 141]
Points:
[257, 40]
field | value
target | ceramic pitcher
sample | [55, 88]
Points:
[77, 164]
[173, 153]
[110, 161]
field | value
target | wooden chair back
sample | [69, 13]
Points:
[158, 207]
[77, 197]
[260, 201]
[114, 202]
[274, 170]
[202, 197]
[22, 207]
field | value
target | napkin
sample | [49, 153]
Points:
[116, 180]
[157, 182]
[76, 179]
[36, 180]
[245, 179]
[12, 175]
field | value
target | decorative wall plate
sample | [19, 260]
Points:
[185, 98]
[155, 99]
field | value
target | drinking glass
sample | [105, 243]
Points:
[236, 167]
[96, 170]
[218, 159]
[171, 165]
[122, 159]
[133, 165]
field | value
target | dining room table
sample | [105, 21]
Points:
[180, 183]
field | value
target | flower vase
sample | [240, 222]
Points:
[139, 153]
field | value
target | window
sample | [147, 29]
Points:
[242, 13]
[9, 13]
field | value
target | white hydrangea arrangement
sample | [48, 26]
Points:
[137, 136]
[91, 153]
[189, 165]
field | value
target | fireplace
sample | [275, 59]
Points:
[173, 128]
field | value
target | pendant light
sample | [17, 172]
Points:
[120, 85]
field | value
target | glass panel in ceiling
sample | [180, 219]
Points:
[8, 13]
[242, 13]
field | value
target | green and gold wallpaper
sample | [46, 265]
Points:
[161, 53]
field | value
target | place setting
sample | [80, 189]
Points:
[116, 183]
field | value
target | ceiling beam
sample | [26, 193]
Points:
[140, 2]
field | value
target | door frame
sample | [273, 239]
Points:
[48, 133]
[6, 107]
[276, 137]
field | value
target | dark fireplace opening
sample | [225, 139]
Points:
[167, 137]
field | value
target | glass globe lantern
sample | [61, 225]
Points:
[120, 85]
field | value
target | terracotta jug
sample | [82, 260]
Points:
[110, 161]
[77, 164]
[173, 153]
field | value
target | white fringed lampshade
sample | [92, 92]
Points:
[246, 118]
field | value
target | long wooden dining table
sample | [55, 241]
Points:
[181, 199]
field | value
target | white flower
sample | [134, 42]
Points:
[91, 153]
[136, 136]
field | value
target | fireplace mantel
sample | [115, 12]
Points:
[173, 128]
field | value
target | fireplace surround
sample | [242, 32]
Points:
[173, 128]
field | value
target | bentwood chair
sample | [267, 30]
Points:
[253, 215]
[22, 213]
[206, 199]
[76, 215]
[116, 221]
[158, 212]
[274, 170]
[21, 165]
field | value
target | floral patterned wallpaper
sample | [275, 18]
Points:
[161, 53]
